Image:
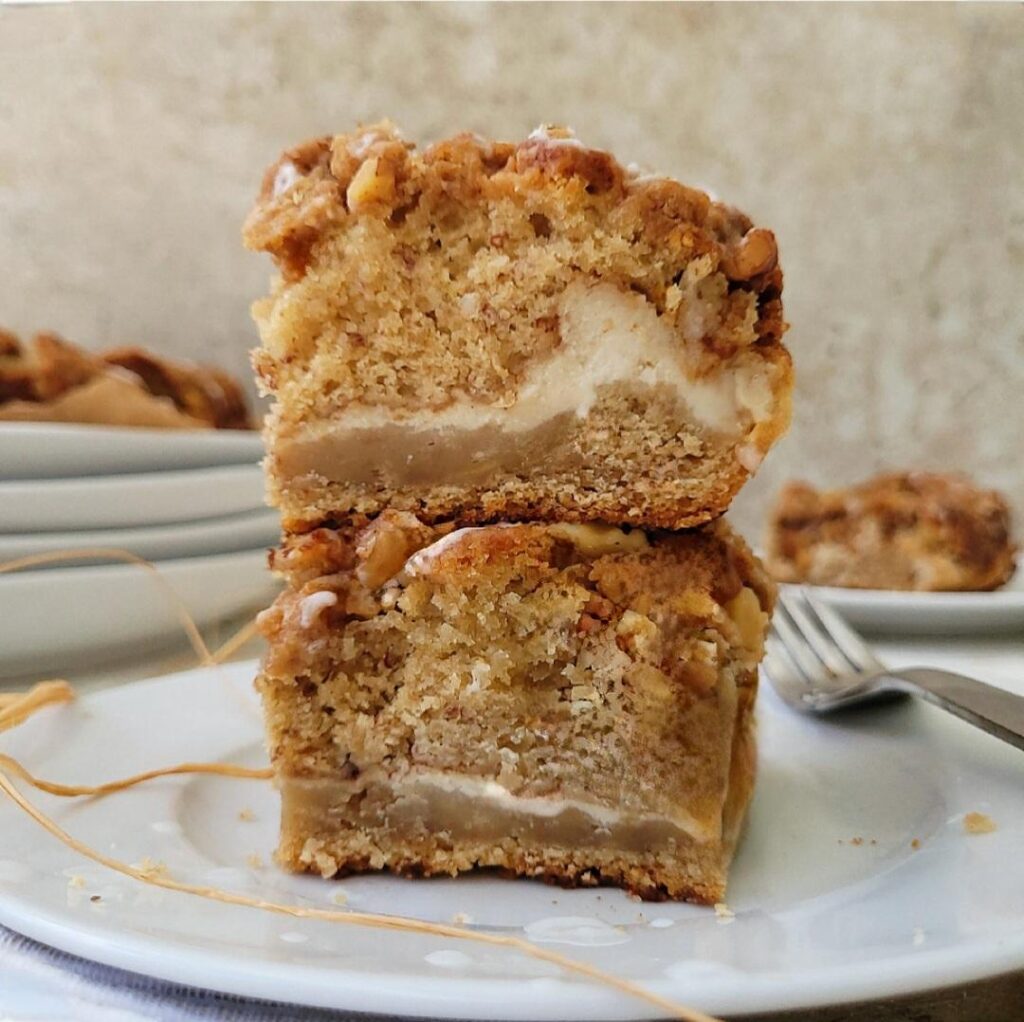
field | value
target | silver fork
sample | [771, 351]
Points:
[817, 663]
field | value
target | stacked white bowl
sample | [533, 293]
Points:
[188, 501]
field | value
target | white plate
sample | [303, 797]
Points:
[151, 498]
[157, 542]
[818, 919]
[886, 612]
[49, 619]
[41, 450]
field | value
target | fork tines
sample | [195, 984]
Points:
[812, 646]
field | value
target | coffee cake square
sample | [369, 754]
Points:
[485, 331]
[571, 702]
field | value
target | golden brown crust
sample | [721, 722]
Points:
[686, 874]
[51, 379]
[902, 530]
[363, 556]
[310, 189]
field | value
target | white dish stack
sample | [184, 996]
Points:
[189, 501]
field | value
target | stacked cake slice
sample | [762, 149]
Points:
[515, 388]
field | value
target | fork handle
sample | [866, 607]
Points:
[994, 710]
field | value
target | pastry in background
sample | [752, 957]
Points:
[489, 331]
[562, 701]
[52, 380]
[904, 530]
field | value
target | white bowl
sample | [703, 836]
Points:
[155, 543]
[44, 450]
[49, 619]
[121, 501]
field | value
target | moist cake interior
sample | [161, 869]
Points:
[572, 702]
[485, 332]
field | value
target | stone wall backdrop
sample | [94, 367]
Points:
[884, 144]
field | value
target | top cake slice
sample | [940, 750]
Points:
[488, 331]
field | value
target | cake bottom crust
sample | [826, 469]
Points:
[652, 877]
[432, 826]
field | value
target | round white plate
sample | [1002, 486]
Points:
[886, 612]
[157, 542]
[49, 619]
[42, 450]
[123, 501]
[832, 901]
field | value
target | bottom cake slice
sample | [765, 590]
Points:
[570, 702]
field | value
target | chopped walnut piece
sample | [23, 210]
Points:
[373, 184]
[754, 254]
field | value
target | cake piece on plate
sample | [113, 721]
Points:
[52, 380]
[571, 702]
[904, 530]
[485, 331]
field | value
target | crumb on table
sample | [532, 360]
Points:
[979, 823]
[150, 867]
[724, 913]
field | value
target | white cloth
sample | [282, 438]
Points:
[40, 984]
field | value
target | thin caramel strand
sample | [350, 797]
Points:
[188, 622]
[126, 556]
[235, 642]
[77, 790]
[16, 707]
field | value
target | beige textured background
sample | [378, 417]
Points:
[884, 144]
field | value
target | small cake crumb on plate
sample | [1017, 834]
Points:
[723, 913]
[979, 823]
